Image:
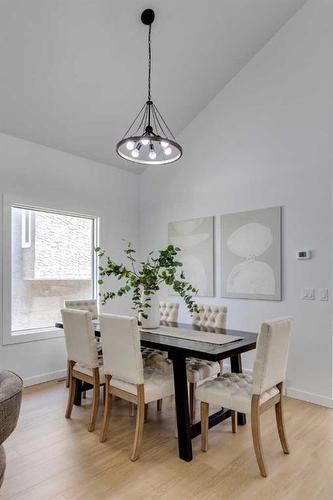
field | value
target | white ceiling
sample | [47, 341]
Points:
[73, 72]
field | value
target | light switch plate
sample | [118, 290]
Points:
[308, 294]
[323, 294]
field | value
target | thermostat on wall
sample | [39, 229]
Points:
[303, 254]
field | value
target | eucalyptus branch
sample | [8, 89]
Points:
[155, 270]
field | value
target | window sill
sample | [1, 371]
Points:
[32, 335]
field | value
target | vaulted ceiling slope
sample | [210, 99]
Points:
[73, 72]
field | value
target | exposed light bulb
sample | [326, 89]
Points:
[164, 144]
[130, 145]
[167, 151]
[145, 142]
[152, 154]
[135, 153]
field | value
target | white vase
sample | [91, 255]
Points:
[153, 313]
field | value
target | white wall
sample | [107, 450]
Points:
[50, 178]
[266, 140]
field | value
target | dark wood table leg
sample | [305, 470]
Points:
[236, 367]
[78, 392]
[182, 408]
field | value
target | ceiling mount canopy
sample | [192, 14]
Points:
[149, 140]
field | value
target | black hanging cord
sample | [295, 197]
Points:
[149, 62]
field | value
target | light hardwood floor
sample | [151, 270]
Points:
[51, 458]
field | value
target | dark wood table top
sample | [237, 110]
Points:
[193, 348]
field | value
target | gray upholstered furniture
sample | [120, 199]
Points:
[10, 402]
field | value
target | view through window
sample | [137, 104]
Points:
[52, 261]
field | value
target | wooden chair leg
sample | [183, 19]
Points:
[94, 410]
[234, 421]
[71, 392]
[255, 425]
[146, 413]
[104, 394]
[159, 405]
[204, 410]
[280, 421]
[192, 402]
[140, 418]
[68, 374]
[84, 394]
[107, 410]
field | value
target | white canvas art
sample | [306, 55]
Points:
[195, 238]
[251, 254]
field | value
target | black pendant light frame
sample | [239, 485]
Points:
[149, 140]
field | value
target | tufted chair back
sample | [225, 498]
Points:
[272, 354]
[121, 348]
[169, 311]
[210, 316]
[80, 337]
[83, 305]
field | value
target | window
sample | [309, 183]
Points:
[52, 259]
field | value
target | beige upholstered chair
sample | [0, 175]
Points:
[245, 394]
[169, 311]
[153, 358]
[84, 363]
[83, 305]
[208, 318]
[89, 305]
[125, 376]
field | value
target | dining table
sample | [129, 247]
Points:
[190, 346]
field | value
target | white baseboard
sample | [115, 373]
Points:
[291, 392]
[310, 397]
[45, 377]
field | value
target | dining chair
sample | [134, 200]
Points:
[83, 305]
[208, 318]
[155, 358]
[169, 311]
[255, 395]
[84, 363]
[125, 376]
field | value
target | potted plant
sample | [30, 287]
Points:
[144, 278]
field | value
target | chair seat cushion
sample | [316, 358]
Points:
[80, 367]
[149, 355]
[197, 369]
[233, 391]
[201, 369]
[157, 385]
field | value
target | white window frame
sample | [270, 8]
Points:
[34, 334]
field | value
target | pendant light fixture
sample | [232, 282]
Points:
[149, 140]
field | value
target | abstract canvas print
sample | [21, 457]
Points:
[251, 254]
[195, 238]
